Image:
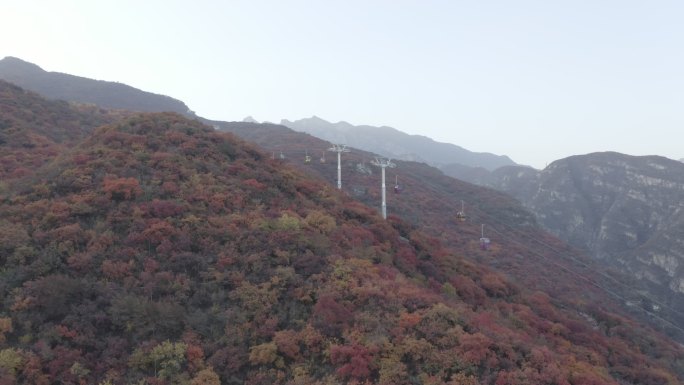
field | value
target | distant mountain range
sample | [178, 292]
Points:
[392, 143]
[56, 85]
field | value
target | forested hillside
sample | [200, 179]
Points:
[430, 200]
[34, 130]
[159, 251]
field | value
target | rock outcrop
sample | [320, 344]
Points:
[625, 210]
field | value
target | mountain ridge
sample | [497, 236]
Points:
[390, 142]
[112, 95]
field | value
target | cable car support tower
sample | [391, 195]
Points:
[383, 163]
[339, 149]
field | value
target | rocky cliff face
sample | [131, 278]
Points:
[625, 210]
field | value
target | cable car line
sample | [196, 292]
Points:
[485, 243]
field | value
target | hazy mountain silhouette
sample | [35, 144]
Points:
[392, 143]
[56, 85]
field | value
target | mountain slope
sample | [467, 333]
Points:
[395, 144]
[430, 201]
[34, 130]
[625, 210]
[158, 250]
[55, 85]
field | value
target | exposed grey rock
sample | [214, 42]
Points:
[627, 211]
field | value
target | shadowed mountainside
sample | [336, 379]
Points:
[55, 85]
[34, 130]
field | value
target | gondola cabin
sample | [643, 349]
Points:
[397, 187]
[461, 216]
[484, 242]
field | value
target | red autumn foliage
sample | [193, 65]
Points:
[330, 315]
[103, 282]
[288, 343]
[121, 188]
[354, 361]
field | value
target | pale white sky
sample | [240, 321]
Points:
[535, 80]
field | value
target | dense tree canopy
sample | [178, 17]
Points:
[159, 251]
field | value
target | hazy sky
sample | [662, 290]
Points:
[535, 80]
